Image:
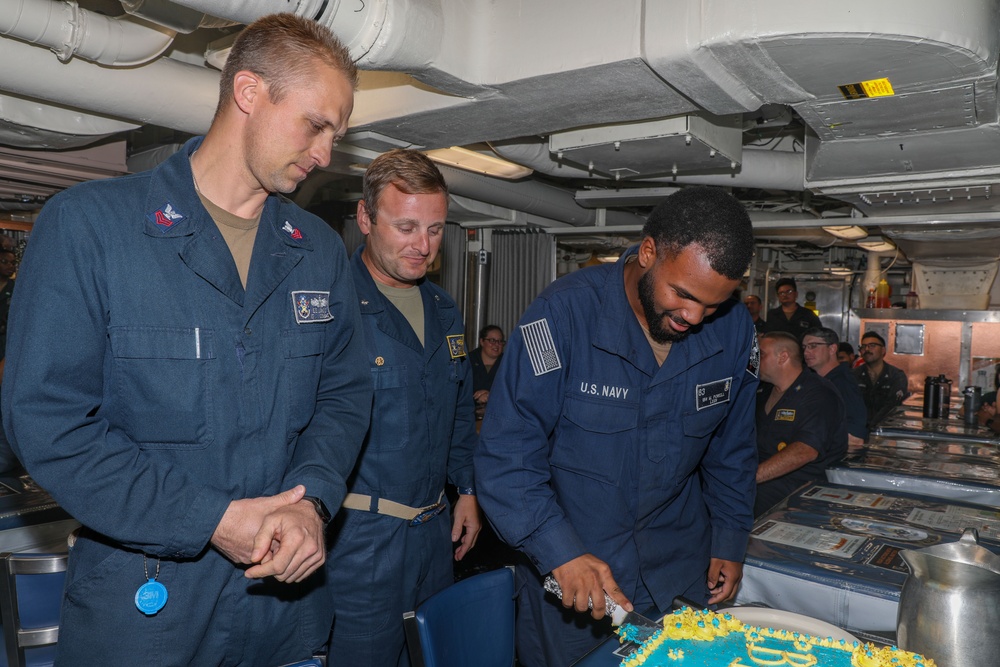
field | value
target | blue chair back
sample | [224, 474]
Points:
[31, 590]
[469, 623]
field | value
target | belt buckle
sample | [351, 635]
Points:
[427, 514]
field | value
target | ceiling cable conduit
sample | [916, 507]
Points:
[766, 169]
[71, 31]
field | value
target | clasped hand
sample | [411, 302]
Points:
[280, 536]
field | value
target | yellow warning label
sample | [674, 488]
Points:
[877, 88]
[872, 88]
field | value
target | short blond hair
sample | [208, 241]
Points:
[284, 49]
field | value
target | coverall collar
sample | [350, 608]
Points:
[174, 210]
[439, 314]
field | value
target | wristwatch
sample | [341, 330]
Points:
[324, 513]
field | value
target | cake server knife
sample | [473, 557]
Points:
[645, 627]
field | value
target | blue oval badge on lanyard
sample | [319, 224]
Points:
[151, 597]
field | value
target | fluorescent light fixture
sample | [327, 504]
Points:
[608, 258]
[481, 163]
[877, 244]
[840, 271]
[848, 232]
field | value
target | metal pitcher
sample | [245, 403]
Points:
[949, 608]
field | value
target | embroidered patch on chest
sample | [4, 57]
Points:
[165, 217]
[711, 393]
[311, 306]
[292, 232]
[456, 346]
[784, 415]
[540, 346]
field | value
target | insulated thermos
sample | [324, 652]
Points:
[937, 397]
[971, 402]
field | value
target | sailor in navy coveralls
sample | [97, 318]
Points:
[618, 451]
[189, 372]
[392, 542]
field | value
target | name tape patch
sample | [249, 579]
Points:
[784, 415]
[311, 306]
[712, 393]
[540, 347]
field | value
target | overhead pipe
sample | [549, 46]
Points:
[532, 197]
[171, 15]
[401, 35]
[71, 31]
[164, 92]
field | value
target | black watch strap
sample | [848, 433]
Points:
[321, 509]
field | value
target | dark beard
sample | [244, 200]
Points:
[658, 331]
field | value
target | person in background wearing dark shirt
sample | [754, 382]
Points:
[819, 348]
[987, 413]
[847, 355]
[485, 361]
[753, 304]
[800, 422]
[790, 317]
[883, 385]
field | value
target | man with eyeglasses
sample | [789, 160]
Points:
[789, 316]
[800, 422]
[820, 350]
[883, 385]
[485, 361]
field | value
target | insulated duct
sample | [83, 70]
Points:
[401, 35]
[32, 124]
[71, 31]
[531, 197]
[769, 170]
[165, 92]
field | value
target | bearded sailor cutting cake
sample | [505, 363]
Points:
[618, 451]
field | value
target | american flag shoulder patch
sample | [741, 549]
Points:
[540, 347]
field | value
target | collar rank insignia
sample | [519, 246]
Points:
[165, 217]
[310, 306]
[291, 231]
[456, 346]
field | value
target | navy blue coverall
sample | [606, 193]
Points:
[422, 435]
[146, 389]
[590, 447]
